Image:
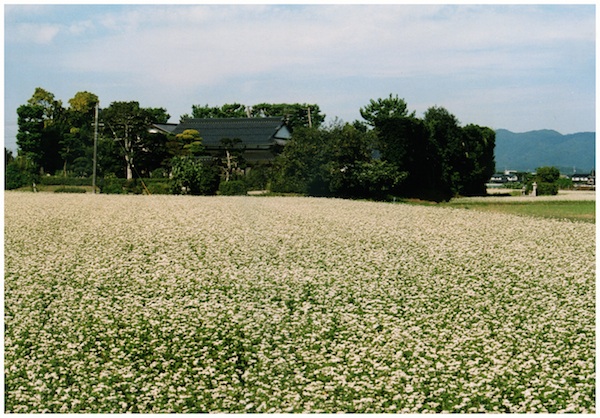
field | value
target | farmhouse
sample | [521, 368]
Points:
[260, 137]
[504, 178]
[583, 178]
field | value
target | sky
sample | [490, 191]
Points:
[509, 66]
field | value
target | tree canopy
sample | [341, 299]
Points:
[128, 125]
[383, 109]
[297, 114]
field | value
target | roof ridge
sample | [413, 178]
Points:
[257, 119]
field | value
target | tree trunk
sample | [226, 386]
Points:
[128, 153]
[228, 166]
[129, 164]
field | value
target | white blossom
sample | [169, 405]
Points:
[153, 304]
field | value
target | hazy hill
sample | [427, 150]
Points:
[528, 150]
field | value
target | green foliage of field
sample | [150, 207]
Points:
[584, 210]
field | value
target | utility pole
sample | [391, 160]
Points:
[95, 147]
[309, 119]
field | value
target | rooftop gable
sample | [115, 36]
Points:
[166, 128]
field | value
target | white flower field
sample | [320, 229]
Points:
[287, 304]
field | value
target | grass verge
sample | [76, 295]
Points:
[579, 210]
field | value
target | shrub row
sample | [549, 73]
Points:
[65, 181]
[134, 186]
[70, 190]
[233, 188]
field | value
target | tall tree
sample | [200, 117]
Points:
[232, 151]
[299, 169]
[404, 142]
[381, 109]
[41, 125]
[334, 161]
[30, 119]
[447, 150]
[347, 149]
[479, 164]
[83, 102]
[124, 122]
[52, 107]
[76, 143]
[127, 123]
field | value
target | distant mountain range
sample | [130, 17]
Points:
[529, 150]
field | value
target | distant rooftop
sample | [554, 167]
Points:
[255, 133]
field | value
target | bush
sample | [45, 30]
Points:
[282, 184]
[15, 178]
[159, 173]
[565, 183]
[550, 189]
[547, 174]
[547, 181]
[233, 188]
[258, 177]
[158, 185]
[191, 176]
[111, 185]
[70, 190]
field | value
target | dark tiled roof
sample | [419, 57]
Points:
[255, 133]
[163, 127]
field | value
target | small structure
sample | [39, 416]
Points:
[584, 181]
[589, 179]
[509, 176]
[498, 178]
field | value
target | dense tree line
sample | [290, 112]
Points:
[53, 139]
[57, 140]
[391, 152]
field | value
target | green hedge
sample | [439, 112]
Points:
[233, 188]
[158, 186]
[135, 186]
[70, 190]
[15, 178]
[65, 181]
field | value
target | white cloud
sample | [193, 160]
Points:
[203, 45]
[35, 33]
[80, 28]
[262, 52]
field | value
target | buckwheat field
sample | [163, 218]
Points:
[288, 304]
